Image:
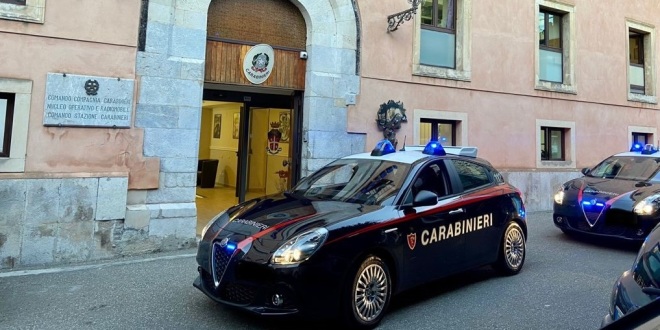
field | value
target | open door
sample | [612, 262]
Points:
[269, 158]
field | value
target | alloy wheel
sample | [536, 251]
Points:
[514, 247]
[371, 292]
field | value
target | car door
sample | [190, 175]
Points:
[432, 250]
[483, 207]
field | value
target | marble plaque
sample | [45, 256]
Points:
[88, 101]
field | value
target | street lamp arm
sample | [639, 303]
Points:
[394, 20]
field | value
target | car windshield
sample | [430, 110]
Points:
[647, 272]
[360, 181]
[628, 168]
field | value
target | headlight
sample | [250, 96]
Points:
[648, 205]
[559, 196]
[208, 225]
[300, 248]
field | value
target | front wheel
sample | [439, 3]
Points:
[369, 294]
[512, 250]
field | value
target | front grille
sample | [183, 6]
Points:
[600, 227]
[621, 218]
[579, 224]
[237, 293]
[220, 261]
[593, 216]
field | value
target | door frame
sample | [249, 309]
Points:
[285, 100]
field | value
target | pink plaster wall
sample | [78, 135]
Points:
[500, 100]
[99, 21]
[97, 38]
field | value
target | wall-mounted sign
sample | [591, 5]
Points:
[88, 101]
[258, 63]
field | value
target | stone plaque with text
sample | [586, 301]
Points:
[88, 101]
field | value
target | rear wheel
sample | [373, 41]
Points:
[512, 250]
[369, 294]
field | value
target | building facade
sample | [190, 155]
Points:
[105, 119]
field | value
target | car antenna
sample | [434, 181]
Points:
[404, 143]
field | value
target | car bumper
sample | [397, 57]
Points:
[577, 223]
[303, 290]
[607, 320]
[247, 299]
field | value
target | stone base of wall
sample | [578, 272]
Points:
[67, 220]
[538, 187]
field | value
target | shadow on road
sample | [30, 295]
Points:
[600, 242]
[441, 287]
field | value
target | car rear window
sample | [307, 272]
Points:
[472, 175]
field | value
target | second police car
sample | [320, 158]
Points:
[620, 197]
[637, 287]
[361, 229]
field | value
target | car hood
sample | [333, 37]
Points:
[622, 194]
[265, 224]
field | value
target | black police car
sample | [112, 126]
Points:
[620, 197]
[361, 229]
[639, 286]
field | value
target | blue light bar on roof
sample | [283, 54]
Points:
[649, 149]
[636, 147]
[383, 147]
[434, 148]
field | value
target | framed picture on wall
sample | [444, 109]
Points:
[217, 125]
[237, 121]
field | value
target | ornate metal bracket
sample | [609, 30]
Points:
[394, 20]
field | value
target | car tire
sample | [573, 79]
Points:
[512, 251]
[368, 294]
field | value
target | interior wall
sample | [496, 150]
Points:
[225, 147]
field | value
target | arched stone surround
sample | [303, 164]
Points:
[170, 72]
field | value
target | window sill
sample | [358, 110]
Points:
[12, 165]
[642, 98]
[442, 73]
[32, 12]
[556, 164]
[555, 87]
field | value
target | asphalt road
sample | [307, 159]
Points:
[565, 284]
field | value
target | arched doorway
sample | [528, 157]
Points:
[250, 128]
[171, 66]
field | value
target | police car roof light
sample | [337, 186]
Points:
[434, 148]
[461, 151]
[636, 147]
[383, 147]
[649, 149]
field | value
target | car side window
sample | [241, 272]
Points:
[472, 175]
[432, 178]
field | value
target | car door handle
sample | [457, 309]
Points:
[456, 211]
[386, 231]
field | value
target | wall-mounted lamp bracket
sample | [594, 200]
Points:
[394, 20]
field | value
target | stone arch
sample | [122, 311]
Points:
[170, 74]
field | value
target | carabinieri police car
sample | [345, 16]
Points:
[637, 287]
[361, 229]
[620, 197]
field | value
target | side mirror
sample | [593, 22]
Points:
[586, 171]
[425, 198]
